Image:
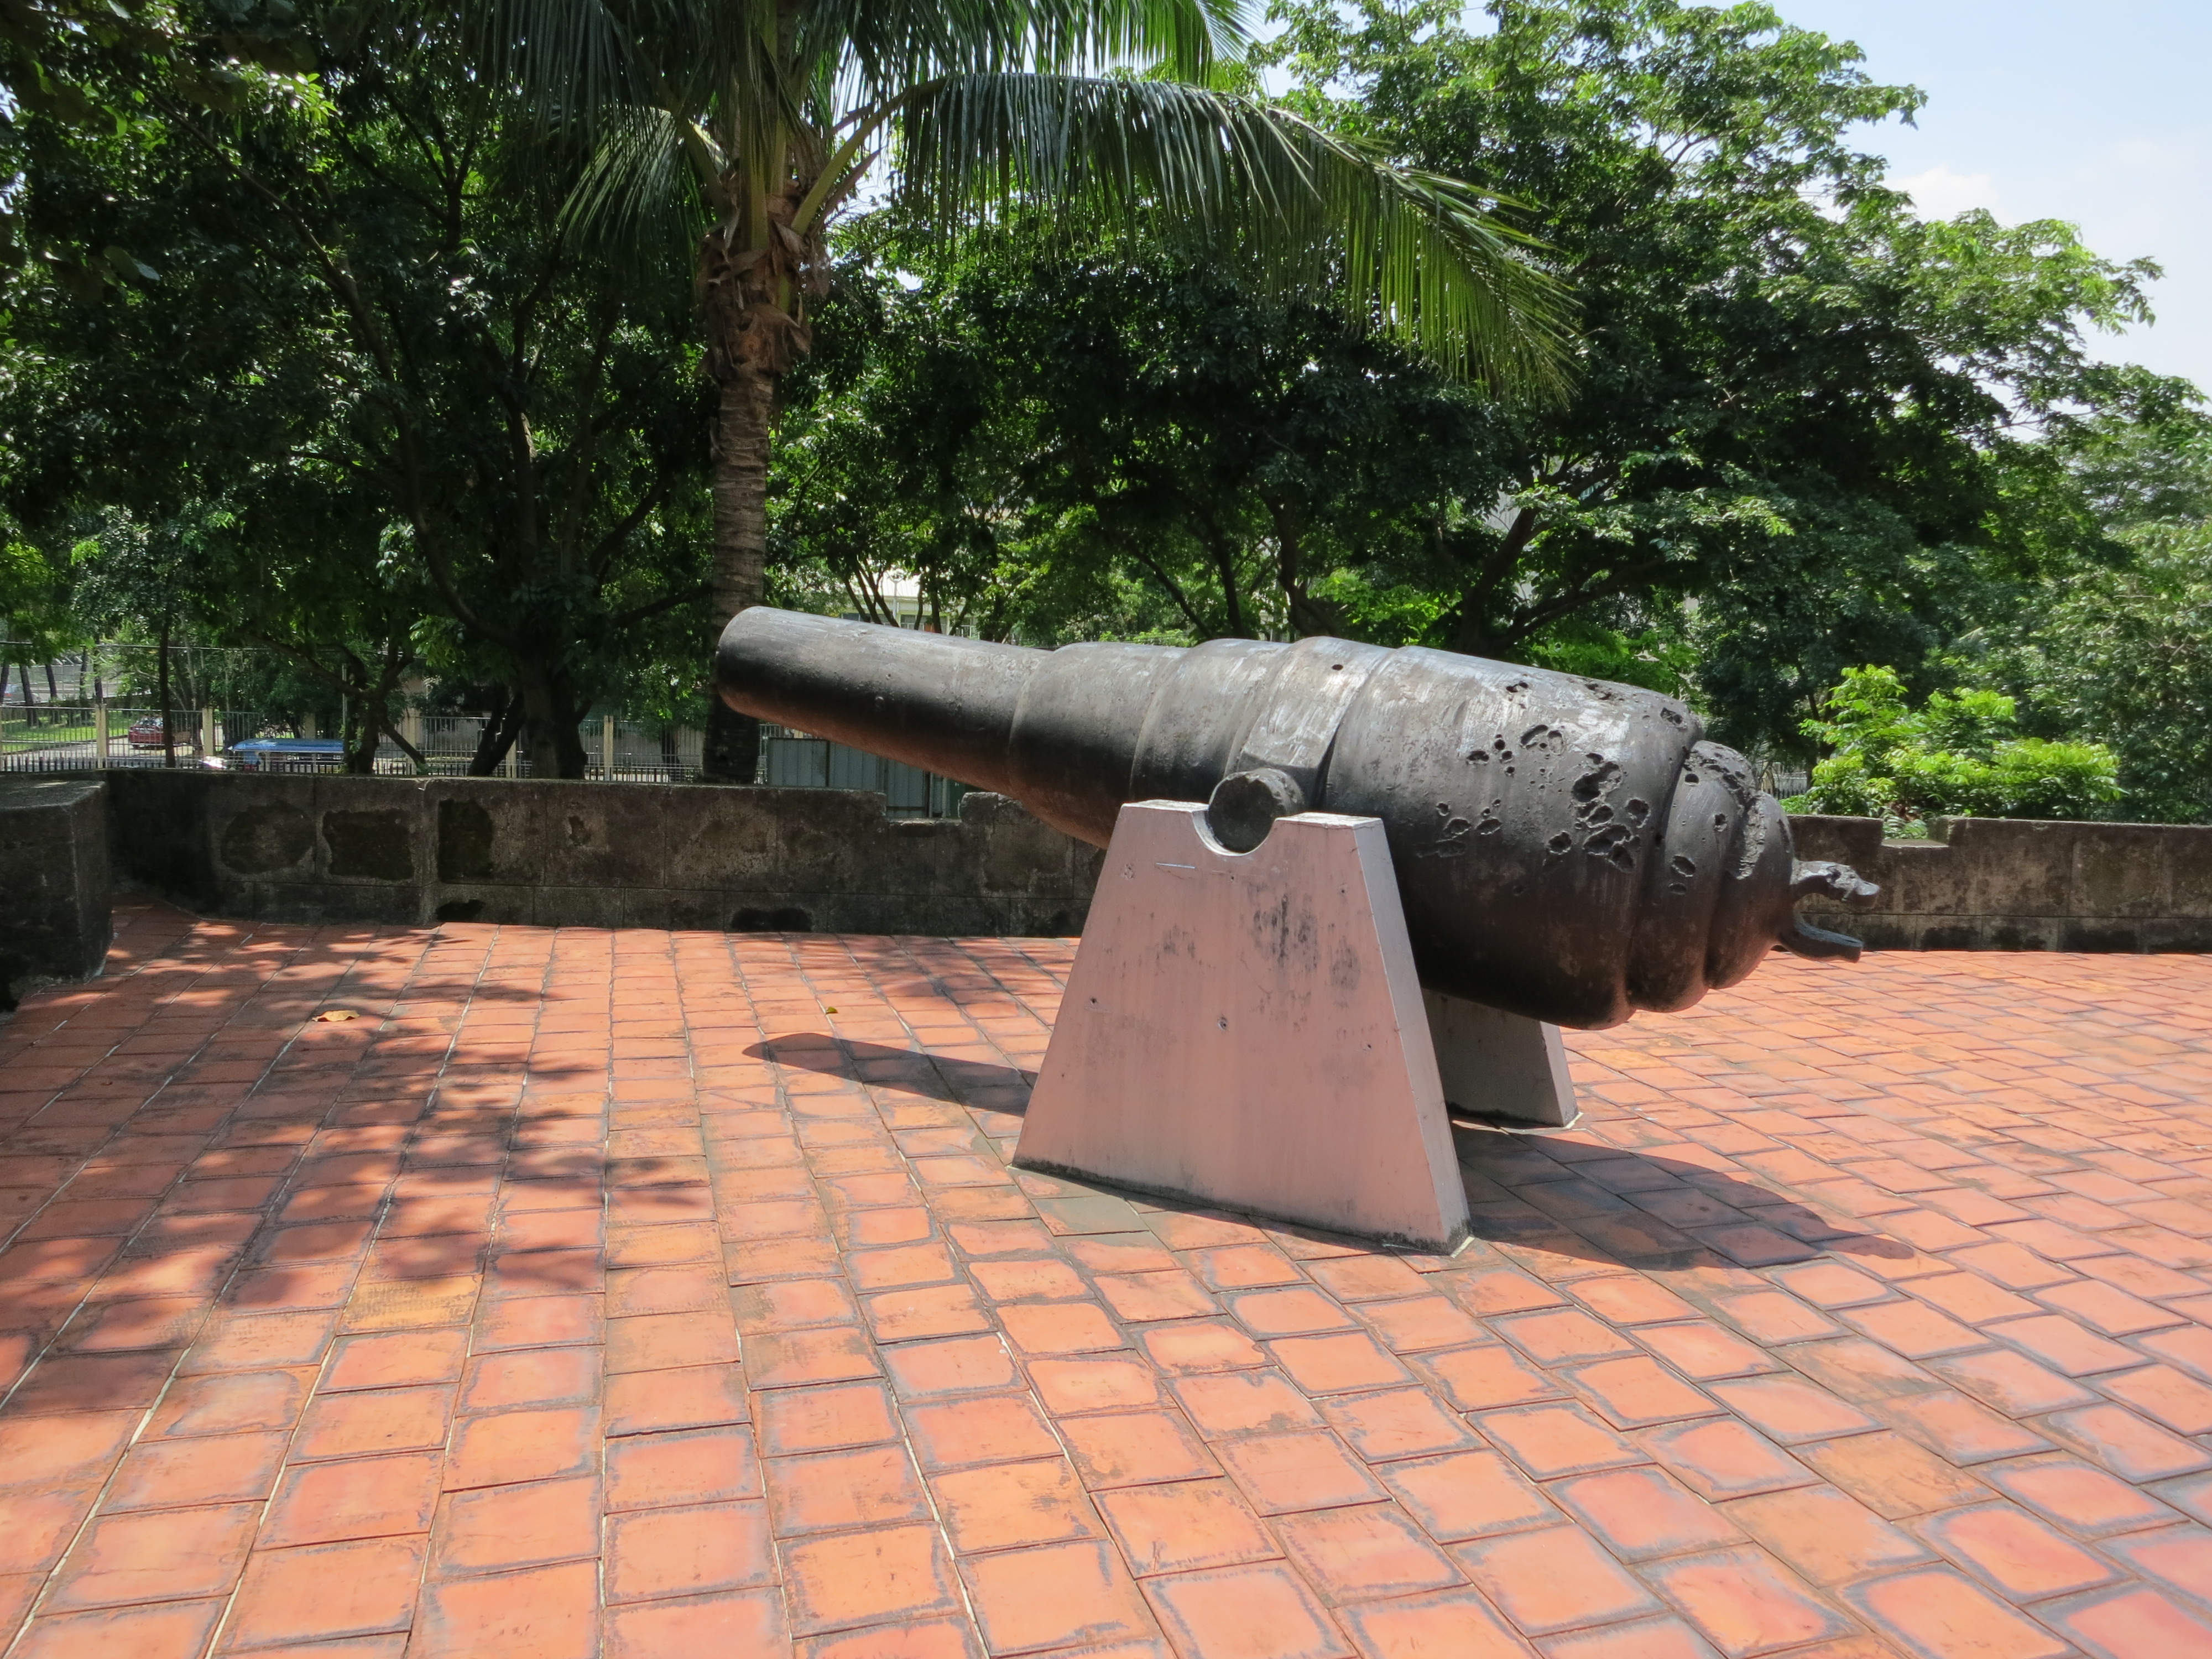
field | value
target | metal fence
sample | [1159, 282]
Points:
[791, 759]
[1781, 779]
[59, 737]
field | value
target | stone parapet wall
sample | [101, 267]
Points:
[2023, 884]
[413, 851]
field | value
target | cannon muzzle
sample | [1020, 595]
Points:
[1566, 848]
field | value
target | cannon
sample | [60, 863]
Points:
[1568, 849]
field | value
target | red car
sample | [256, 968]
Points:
[145, 732]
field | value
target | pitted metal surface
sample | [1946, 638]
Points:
[1566, 848]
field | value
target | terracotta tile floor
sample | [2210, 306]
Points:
[665, 1294]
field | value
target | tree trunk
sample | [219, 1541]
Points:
[368, 709]
[550, 739]
[501, 729]
[1307, 615]
[743, 426]
[1225, 567]
[753, 303]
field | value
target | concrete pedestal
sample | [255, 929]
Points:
[54, 885]
[1505, 1069]
[1246, 1029]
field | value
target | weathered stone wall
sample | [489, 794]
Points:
[414, 851]
[408, 851]
[54, 897]
[2016, 884]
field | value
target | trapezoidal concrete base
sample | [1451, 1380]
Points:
[1247, 1030]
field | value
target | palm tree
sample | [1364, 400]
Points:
[741, 126]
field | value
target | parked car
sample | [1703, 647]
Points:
[145, 732]
[287, 755]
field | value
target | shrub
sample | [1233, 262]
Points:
[1959, 755]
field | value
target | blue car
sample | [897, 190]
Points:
[287, 754]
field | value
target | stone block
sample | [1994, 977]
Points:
[2015, 866]
[722, 837]
[465, 835]
[2177, 933]
[2190, 868]
[377, 845]
[1855, 841]
[2120, 870]
[591, 836]
[1020, 854]
[158, 828]
[2003, 933]
[54, 881]
[267, 838]
[830, 842]
[322, 901]
[1920, 878]
[485, 903]
[580, 907]
[487, 829]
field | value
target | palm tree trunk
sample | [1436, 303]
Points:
[741, 431]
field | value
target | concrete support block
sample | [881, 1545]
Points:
[54, 882]
[1503, 1067]
[1247, 1030]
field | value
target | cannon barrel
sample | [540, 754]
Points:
[1566, 848]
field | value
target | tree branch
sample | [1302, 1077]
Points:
[667, 602]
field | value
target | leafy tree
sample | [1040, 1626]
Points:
[2115, 645]
[1960, 754]
[36, 623]
[1135, 446]
[1805, 435]
[398, 410]
[151, 579]
[2124, 653]
[1797, 403]
[738, 133]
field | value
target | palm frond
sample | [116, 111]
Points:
[891, 45]
[1306, 212]
[569, 57]
[639, 195]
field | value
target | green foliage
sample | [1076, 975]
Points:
[1808, 431]
[751, 127]
[375, 412]
[302, 341]
[2123, 653]
[1119, 446]
[1817, 415]
[1659, 657]
[36, 622]
[1960, 754]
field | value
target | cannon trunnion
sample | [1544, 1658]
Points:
[1566, 848]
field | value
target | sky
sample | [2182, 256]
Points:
[2098, 113]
